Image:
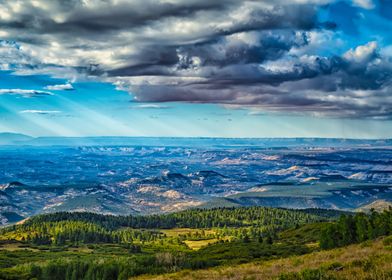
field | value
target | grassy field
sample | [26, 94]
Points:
[175, 232]
[197, 244]
[369, 260]
[193, 244]
[15, 246]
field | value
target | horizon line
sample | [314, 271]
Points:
[193, 137]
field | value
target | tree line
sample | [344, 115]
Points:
[87, 228]
[197, 218]
[356, 228]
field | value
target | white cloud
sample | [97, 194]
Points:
[24, 92]
[366, 4]
[151, 106]
[39, 112]
[362, 53]
[67, 86]
[256, 113]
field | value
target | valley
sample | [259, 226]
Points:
[204, 173]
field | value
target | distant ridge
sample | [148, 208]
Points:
[22, 139]
[9, 138]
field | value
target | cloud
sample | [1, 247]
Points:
[256, 113]
[352, 85]
[124, 38]
[366, 4]
[150, 106]
[67, 86]
[270, 55]
[40, 112]
[362, 54]
[25, 92]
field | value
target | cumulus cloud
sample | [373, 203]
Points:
[241, 53]
[362, 54]
[25, 92]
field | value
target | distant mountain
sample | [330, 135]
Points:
[379, 205]
[15, 139]
[8, 138]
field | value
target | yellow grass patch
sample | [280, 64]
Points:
[183, 231]
[14, 246]
[197, 244]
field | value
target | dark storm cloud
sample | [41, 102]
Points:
[220, 53]
[98, 17]
[102, 16]
[269, 46]
[353, 86]
[237, 53]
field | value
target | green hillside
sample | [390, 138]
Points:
[370, 261]
[91, 246]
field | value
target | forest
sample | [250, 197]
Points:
[356, 228]
[91, 246]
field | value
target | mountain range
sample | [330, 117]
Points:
[9, 138]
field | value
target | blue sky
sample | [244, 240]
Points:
[324, 72]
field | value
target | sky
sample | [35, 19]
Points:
[198, 68]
